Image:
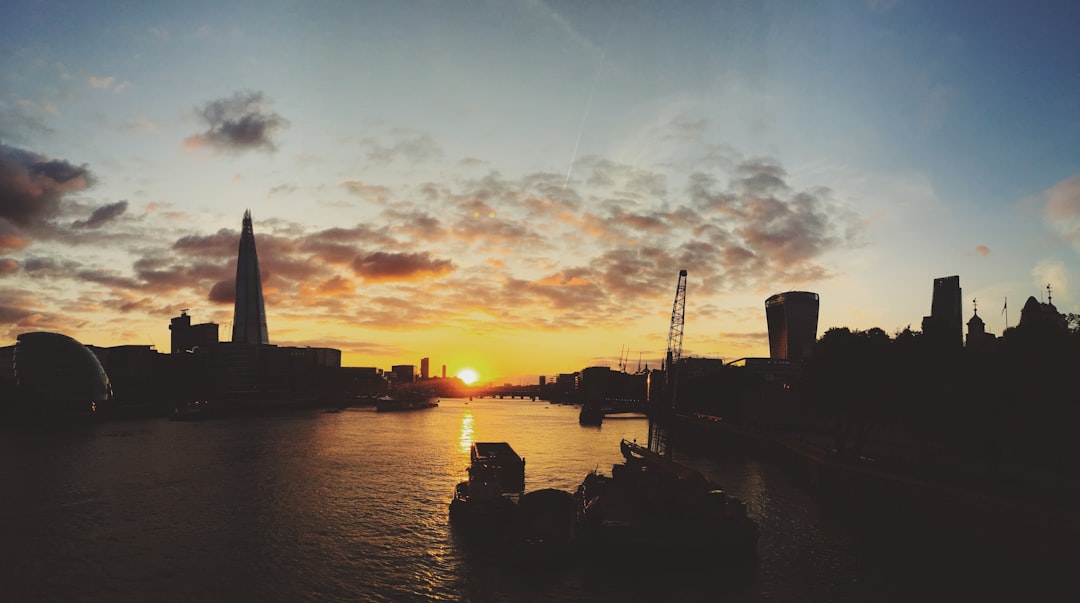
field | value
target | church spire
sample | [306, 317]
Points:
[249, 313]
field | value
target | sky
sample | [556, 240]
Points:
[513, 186]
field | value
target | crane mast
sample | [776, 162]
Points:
[675, 337]
[657, 437]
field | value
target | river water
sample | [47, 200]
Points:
[352, 506]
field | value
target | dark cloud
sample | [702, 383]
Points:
[223, 291]
[103, 215]
[238, 123]
[32, 185]
[761, 176]
[223, 243]
[417, 225]
[107, 278]
[382, 266]
[50, 267]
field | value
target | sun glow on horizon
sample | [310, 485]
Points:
[468, 376]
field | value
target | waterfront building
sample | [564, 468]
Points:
[792, 319]
[945, 324]
[186, 336]
[424, 366]
[249, 313]
[55, 373]
[403, 373]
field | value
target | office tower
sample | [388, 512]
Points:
[187, 337]
[792, 318]
[945, 324]
[424, 363]
[249, 314]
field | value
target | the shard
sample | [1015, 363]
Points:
[249, 314]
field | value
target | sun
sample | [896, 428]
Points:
[467, 376]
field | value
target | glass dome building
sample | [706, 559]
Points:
[56, 374]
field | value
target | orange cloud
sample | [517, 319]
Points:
[381, 266]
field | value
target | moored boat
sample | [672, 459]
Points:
[655, 506]
[486, 502]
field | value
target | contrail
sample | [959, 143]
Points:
[588, 106]
[581, 128]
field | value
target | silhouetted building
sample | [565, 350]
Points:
[945, 325]
[403, 373]
[249, 313]
[7, 373]
[424, 369]
[977, 335]
[187, 337]
[1039, 318]
[444, 371]
[792, 318]
[135, 373]
[56, 374]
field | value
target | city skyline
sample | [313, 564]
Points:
[515, 187]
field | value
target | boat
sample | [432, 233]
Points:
[508, 467]
[546, 525]
[405, 402]
[196, 410]
[652, 506]
[486, 501]
[591, 415]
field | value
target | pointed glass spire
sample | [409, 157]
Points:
[249, 314]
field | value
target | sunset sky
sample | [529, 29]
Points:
[513, 186]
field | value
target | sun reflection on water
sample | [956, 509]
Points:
[466, 437]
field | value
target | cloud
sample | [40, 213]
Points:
[140, 124]
[371, 192]
[383, 266]
[107, 83]
[103, 215]
[32, 185]
[1053, 273]
[101, 83]
[11, 238]
[982, 250]
[238, 123]
[1062, 210]
[409, 146]
[8, 266]
[223, 291]
[20, 122]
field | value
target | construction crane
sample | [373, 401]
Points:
[674, 339]
[657, 436]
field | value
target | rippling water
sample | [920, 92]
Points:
[353, 506]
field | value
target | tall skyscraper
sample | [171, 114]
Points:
[249, 314]
[945, 325]
[792, 317]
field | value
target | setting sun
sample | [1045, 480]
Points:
[468, 376]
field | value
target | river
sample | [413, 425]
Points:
[352, 506]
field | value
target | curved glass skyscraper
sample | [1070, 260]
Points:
[249, 314]
[792, 317]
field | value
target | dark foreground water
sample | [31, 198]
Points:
[352, 506]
